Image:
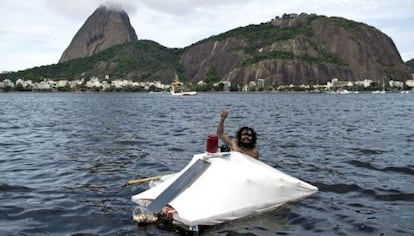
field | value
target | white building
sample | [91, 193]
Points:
[41, 85]
[260, 83]
[105, 85]
[336, 83]
[61, 83]
[227, 85]
[19, 81]
[24, 83]
[366, 83]
[74, 83]
[6, 83]
[119, 83]
[252, 84]
[93, 82]
[393, 83]
[410, 83]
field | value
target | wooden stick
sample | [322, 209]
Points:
[140, 181]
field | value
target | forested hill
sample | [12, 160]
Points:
[142, 60]
[297, 49]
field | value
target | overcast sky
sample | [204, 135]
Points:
[36, 32]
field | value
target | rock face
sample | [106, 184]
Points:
[103, 29]
[305, 49]
[293, 49]
[410, 65]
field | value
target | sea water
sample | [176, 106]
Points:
[65, 157]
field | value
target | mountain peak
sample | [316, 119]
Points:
[106, 27]
[110, 7]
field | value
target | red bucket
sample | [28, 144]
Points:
[212, 143]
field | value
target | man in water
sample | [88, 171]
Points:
[246, 138]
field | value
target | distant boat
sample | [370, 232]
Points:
[190, 93]
[379, 92]
[178, 89]
[344, 91]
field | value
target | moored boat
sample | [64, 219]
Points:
[178, 89]
[189, 93]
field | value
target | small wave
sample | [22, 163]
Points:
[84, 234]
[232, 233]
[338, 188]
[175, 149]
[408, 197]
[125, 142]
[13, 188]
[367, 152]
[400, 170]
[378, 194]
[404, 170]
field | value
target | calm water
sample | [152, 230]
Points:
[64, 158]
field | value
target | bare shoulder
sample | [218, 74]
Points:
[254, 153]
[251, 152]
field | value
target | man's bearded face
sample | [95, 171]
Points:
[246, 138]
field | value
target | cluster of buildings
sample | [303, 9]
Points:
[336, 83]
[106, 84]
[93, 82]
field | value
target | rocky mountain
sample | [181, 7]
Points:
[103, 29]
[410, 65]
[297, 49]
[292, 49]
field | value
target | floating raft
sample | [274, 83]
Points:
[234, 186]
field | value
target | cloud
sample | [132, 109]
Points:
[34, 33]
[186, 7]
[81, 9]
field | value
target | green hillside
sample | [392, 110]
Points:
[265, 34]
[139, 61]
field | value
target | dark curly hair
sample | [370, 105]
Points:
[254, 137]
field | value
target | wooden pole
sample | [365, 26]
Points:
[140, 181]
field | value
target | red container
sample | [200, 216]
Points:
[212, 143]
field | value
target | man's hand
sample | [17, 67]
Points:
[224, 114]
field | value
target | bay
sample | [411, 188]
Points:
[65, 158]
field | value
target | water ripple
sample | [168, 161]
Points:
[65, 158]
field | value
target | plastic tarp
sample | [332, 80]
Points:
[234, 186]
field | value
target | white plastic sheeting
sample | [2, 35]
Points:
[235, 185]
